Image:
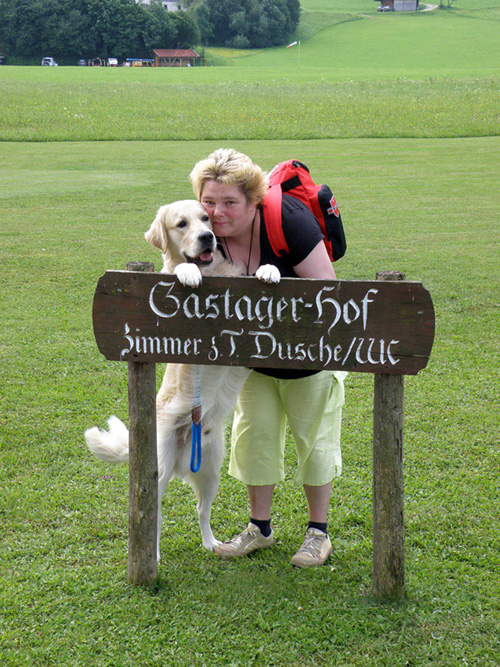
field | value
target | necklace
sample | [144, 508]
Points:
[250, 250]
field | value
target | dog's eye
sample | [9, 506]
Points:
[205, 218]
[182, 224]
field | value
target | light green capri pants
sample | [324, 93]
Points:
[313, 408]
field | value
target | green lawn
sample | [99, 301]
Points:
[410, 147]
[73, 210]
[425, 74]
[68, 106]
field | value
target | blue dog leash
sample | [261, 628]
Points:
[196, 426]
[195, 447]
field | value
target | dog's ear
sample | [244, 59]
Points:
[156, 233]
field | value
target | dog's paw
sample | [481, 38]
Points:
[211, 544]
[268, 273]
[188, 274]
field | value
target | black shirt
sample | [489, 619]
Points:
[302, 233]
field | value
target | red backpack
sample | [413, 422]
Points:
[293, 178]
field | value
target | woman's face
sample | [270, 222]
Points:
[229, 211]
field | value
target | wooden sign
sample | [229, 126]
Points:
[362, 326]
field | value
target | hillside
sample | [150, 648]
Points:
[343, 41]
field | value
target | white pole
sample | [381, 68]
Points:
[294, 44]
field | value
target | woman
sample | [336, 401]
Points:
[231, 188]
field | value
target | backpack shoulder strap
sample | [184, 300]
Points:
[272, 217]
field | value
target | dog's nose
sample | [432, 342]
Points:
[206, 238]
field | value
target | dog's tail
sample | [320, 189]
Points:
[112, 445]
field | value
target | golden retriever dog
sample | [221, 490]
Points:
[182, 232]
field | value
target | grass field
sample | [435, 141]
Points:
[119, 110]
[64, 598]
[422, 198]
[425, 74]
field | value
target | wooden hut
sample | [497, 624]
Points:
[176, 58]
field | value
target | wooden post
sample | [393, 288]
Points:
[143, 466]
[388, 492]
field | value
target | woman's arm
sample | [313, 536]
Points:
[317, 264]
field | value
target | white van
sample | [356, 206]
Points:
[112, 62]
[50, 62]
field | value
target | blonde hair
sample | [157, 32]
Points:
[229, 167]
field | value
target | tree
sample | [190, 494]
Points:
[220, 13]
[115, 27]
[73, 29]
[279, 25]
[159, 30]
[187, 31]
[127, 35]
[23, 29]
[294, 11]
[201, 16]
[254, 23]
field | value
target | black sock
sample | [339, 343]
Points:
[319, 526]
[263, 525]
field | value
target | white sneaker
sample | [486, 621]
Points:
[251, 539]
[314, 551]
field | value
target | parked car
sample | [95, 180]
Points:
[112, 62]
[49, 62]
[82, 62]
[3, 60]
